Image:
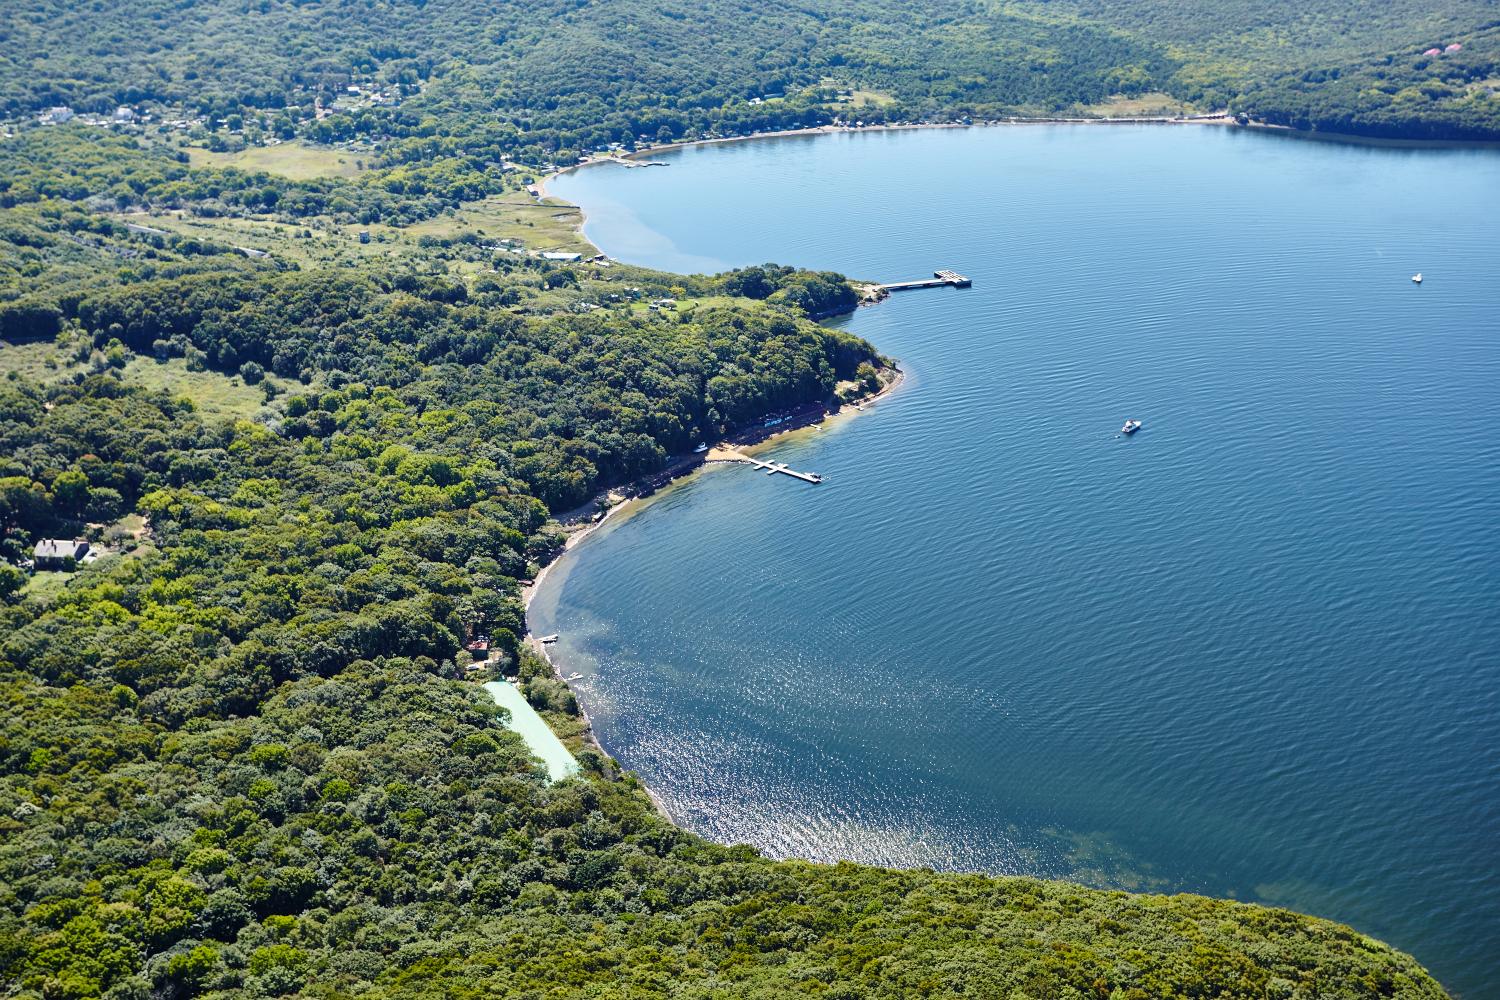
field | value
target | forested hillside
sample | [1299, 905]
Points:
[238, 757]
[555, 78]
[317, 422]
[1410, 95]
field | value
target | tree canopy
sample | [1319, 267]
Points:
[321, 426]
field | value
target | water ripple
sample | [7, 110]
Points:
[1253, 650]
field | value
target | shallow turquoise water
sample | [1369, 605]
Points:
[1252, 651]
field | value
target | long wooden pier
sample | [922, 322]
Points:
[939, 279]
[771, 468]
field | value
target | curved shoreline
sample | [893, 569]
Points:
[541, 192]
[1220, 119]
[683, 468]
[686, 466]
[817, 130]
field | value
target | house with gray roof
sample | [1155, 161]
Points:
[59, 553]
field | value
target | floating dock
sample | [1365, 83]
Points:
[624, 162]
[939, 279]
[771, 468]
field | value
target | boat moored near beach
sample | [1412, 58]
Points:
[1417, 278]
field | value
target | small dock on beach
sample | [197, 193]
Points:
[729, 454]
[939, 279]
[769, 468]
[626, 162]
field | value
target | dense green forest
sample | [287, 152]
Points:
[454, 79]
[319, 425]
[1411, 95]
[237, 756]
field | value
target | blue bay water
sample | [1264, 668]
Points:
[1252, 651]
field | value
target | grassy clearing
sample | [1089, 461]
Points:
[213, 393]
[689, 306]
[133, 525]
[1144, 105]
[292, 160]
[45, 585]
[547, 225]
[279, 239]
[315, 243]
[853, 98]
[31, 361]
[867, 99]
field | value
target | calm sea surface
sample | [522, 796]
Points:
[1252, 651]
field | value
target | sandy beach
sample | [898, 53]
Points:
[581, 522]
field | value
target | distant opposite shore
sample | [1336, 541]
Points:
[645, 152]
[1221, 118]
